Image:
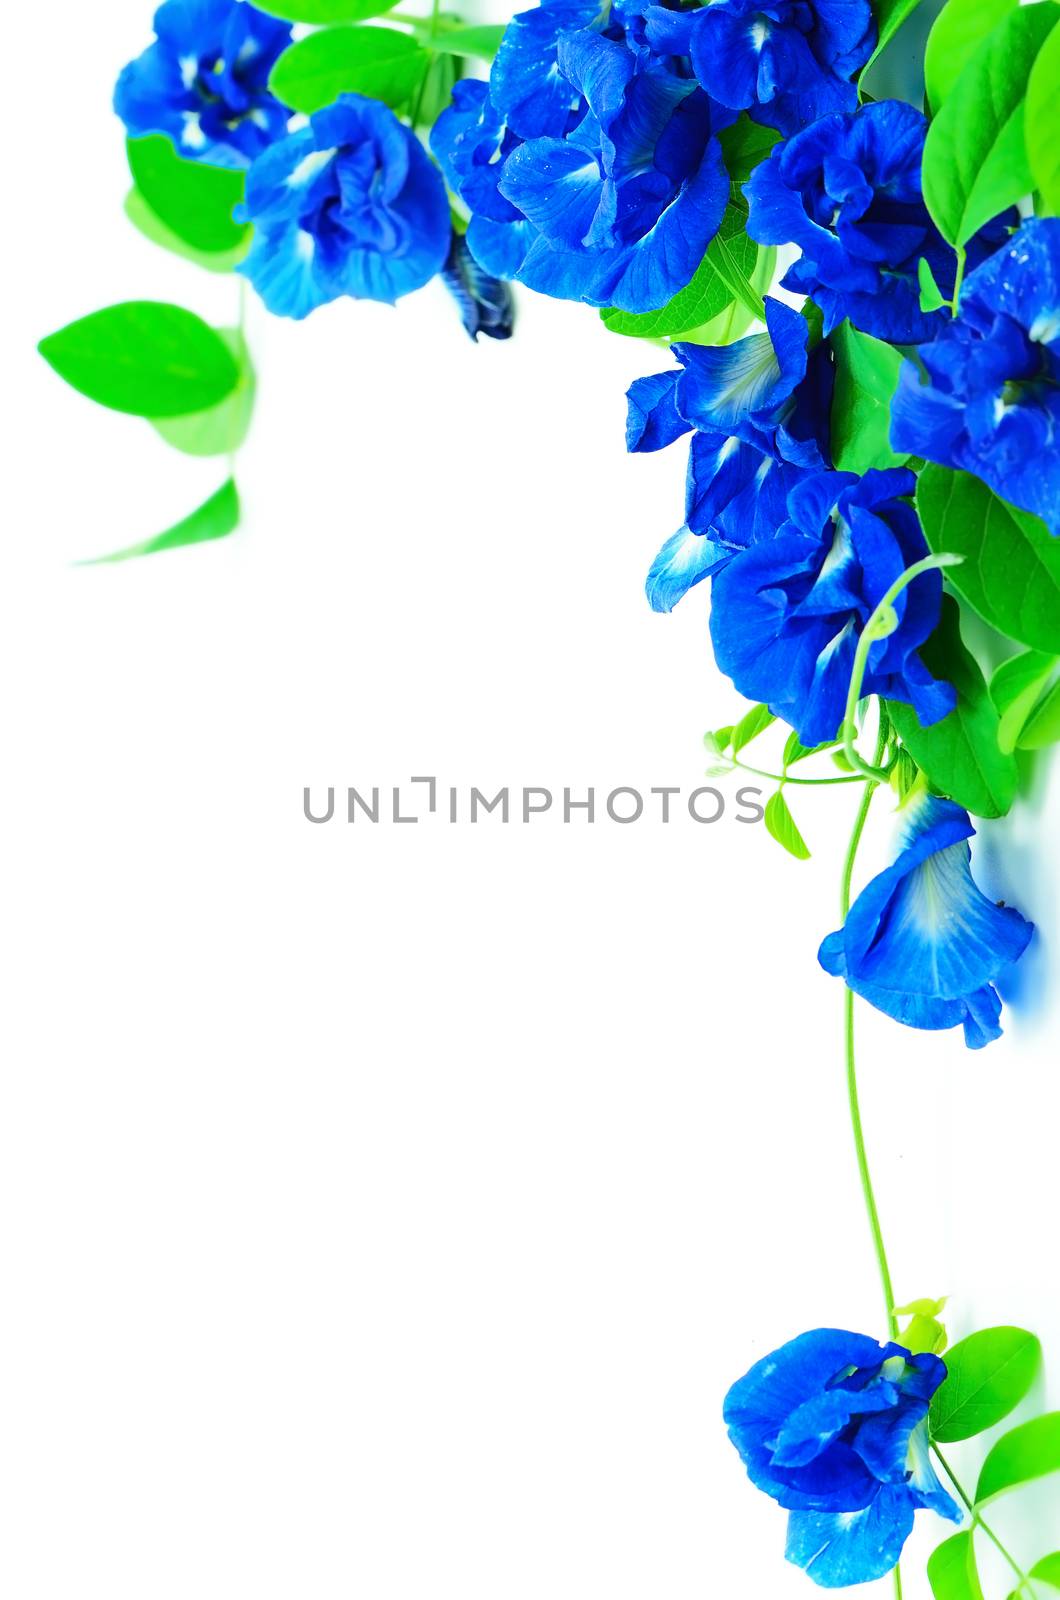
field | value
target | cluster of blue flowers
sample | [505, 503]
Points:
[348, 203]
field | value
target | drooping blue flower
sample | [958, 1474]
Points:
[486, 304]
[349, 205]
[922, 942]
[847, 191]
[786, 614]
[786, 62]
[204, 82]
[992, 402]
[590, 165]
[760, 410]
[833, 1426]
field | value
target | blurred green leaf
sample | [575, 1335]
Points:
[482, 41]
[1040, 123]
[324, 11]
[781, 825]
[193, 200]
[890, 14]
[987, 1375]
[215, 519]
[1042, 727]
[221, 430]
[144, 357]
[866, 376]
[1016, 689]
[1029, 1452]
[153, 228]
[956, 34]
[952, 1572]
[756, 721]
[378, 62]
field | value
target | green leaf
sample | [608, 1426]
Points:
[890, 15]
[323, 11]
[221, 430]
[483, 41]
[1011, 570]
[924, 1336]
[952, 1572]
[743, 145]
[956, 34]
[142, 217]
[1042, 727]
[975, 160]
[378, 62]
[1043, 146]
[1048, 1570]
[1029, 1452]
[866, 376]
[191, 199]
[706, 297]
[781, 825]
[1016, 688]
[931, 296]
[987, 1377]
[756, 721]
[145, 358]
[215, 519]
[960, 754]
[795, 750]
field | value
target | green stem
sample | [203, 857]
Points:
[898, 1582]
[432, 33]
[962, 262]
[977, 1521]
[776, 777]
[867, 1189]
[881, 623]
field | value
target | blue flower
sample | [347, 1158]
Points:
[992, 403]
[486, 304]
[847, 192]
[922, 942]
[760, 408]
[787, 62]
[786, 614]
[589, 164]
[834, 1428]
[350, 205]
[204, 81]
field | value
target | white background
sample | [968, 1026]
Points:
[386, 1211]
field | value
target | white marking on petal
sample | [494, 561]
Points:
[308, 167]
[840, 552]
[189, 70]
[1046, 327]
[193, 135]
[759, 33]
[305, 246]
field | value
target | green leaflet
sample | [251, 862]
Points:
[866, 377]
[952, 1572]
[781, 825]
[1040, 129]
[482, 41]
[145, 358]
[756, 721]
[931, 296]
[1042, 727]
[1017, 690]
[960, 755]
[378, 62]
[956, 34]
[221, 430]
[191, 199]
[743, 145]
[708, 296]
[215, 519]
[975, 160]
[153, 228]
[1048, 1571]
[323, 11]
[1011, 571]
[987, 1377]
[890, 15]
[1029, 1452]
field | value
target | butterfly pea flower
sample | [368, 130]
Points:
[847, 191]
[485, 303]
[786, 62]
[590, 165]
[349, 205]
[759, 409]
[834, 1428]
[991, 405]
[787, 613]
[922, 942]
[205, 81]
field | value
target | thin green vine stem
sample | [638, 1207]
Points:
[977, 1520]
[776, 777]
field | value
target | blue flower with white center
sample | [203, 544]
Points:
[349, 205]
[760, 408]
[486, 304]
[205, 81]
[786, 614]
[590, 165]
[786, 62]
[833, 1426]
[847, 191]
[922, 942]
[992, 401]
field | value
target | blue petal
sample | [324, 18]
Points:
[837, 1550]
[557, 186]
[653, 420]
[726, 386]
[526, 85]
[683, 561]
